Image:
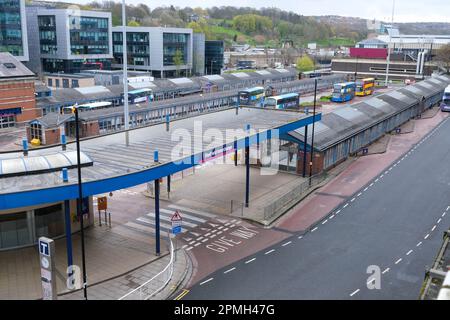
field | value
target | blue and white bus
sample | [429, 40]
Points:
[445, 104]
[89, 106]
[139, 95]
[343, 92]
[251, 96]
[284, 101]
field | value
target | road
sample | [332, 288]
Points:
[395, 222]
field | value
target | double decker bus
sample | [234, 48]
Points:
[284, 101]
[365, 87]
[251, 96]
[139, 95]
[445, 104]
[343, 92]
[88, 106]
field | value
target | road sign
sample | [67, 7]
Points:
[177, 221]
[102, 203]
[48, 278]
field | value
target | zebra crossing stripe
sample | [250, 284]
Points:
[166, 218]
[184, 215]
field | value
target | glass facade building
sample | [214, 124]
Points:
[138, 48]
[47, 35]
[214, 56]
[88, 35]
[173, 43]
[12, 30]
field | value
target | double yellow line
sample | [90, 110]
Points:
[182, 294]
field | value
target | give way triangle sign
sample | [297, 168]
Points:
[176, 216]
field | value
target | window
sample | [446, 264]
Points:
[65, 83]
[36, 131]
[75, 84]
[57, 83]
[14, 230]
[50, 82]
[49, 221]
[7, 121]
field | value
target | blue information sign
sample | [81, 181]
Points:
[176, 230]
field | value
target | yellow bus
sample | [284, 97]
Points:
[365, 87]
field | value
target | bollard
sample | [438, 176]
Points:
[65, 175]
[63, 142]
[167, 122]
[155, 156]
[25, 147]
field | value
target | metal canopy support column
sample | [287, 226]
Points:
[304, 151]
[247, 168]
[67, 224]
[157, 226]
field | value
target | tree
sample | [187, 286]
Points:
[305, 63]
[443, 57]
[178, 60]
[133, 23]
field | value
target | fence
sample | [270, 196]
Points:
[152, 287]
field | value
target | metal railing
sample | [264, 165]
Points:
[148, 290]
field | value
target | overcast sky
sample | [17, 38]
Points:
[405, 10]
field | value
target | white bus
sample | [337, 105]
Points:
[89, 106]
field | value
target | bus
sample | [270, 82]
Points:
[445, 104]
[343, 92]
[139, 95]
[284, 101]
[88, 106]
[365, 87]
[251, 95]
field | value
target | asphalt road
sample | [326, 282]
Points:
[395, 222]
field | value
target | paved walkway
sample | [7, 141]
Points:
[110, 252]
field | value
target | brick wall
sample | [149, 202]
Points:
[317, 162]
[52, 136]
[19, 94]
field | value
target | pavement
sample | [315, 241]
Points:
[383, 215]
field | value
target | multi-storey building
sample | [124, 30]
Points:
[214, 56]
[165, 52]
[13, 28]
[68, 40]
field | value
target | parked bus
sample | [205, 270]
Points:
[365, 87]
[284, 101]
[251, 96]
[139, 95]
[343, 92]
[89, 106]
[445, 104]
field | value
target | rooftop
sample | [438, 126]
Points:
[11, 68]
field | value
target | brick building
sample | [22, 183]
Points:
[17, 93]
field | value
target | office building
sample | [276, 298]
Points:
[68, 40]
[165, 52]
[198, 63]
[214, 56]
[13, 29]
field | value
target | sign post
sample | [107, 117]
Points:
[47, 261]
[102, 204]
[177, 222]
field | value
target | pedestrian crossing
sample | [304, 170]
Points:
[192, 218]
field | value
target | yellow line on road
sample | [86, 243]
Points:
[182, 294]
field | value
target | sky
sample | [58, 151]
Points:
[405, 10]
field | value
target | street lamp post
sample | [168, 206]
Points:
[125, 75]
[80, 201]
[312, 134]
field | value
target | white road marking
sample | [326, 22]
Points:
[434, 227]
[359, 194]
[300, 237]
[325, 221]
[439, 220]
[426, 237]
[382, 176]
[189, 249]
[270, 251]
[443, 215]
[365, 189]
[376, 180]
[184, 246]
[398, 261]
[370, 281]
[346, 205]
[285, 244]
[205, 240]
[192, 242]
[314, 229]
[197, 244]
[354, 292]
[371, 184]
[385, 270]
[229, 270]
[353, 199]
[409, 252]
[251, 260]
[448, 208]
[225, 229]
[419, 244]
[332, 216]
[206, 281]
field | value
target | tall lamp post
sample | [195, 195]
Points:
[389, 50]
[125, 75]
[80, 200]
[312, 134]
